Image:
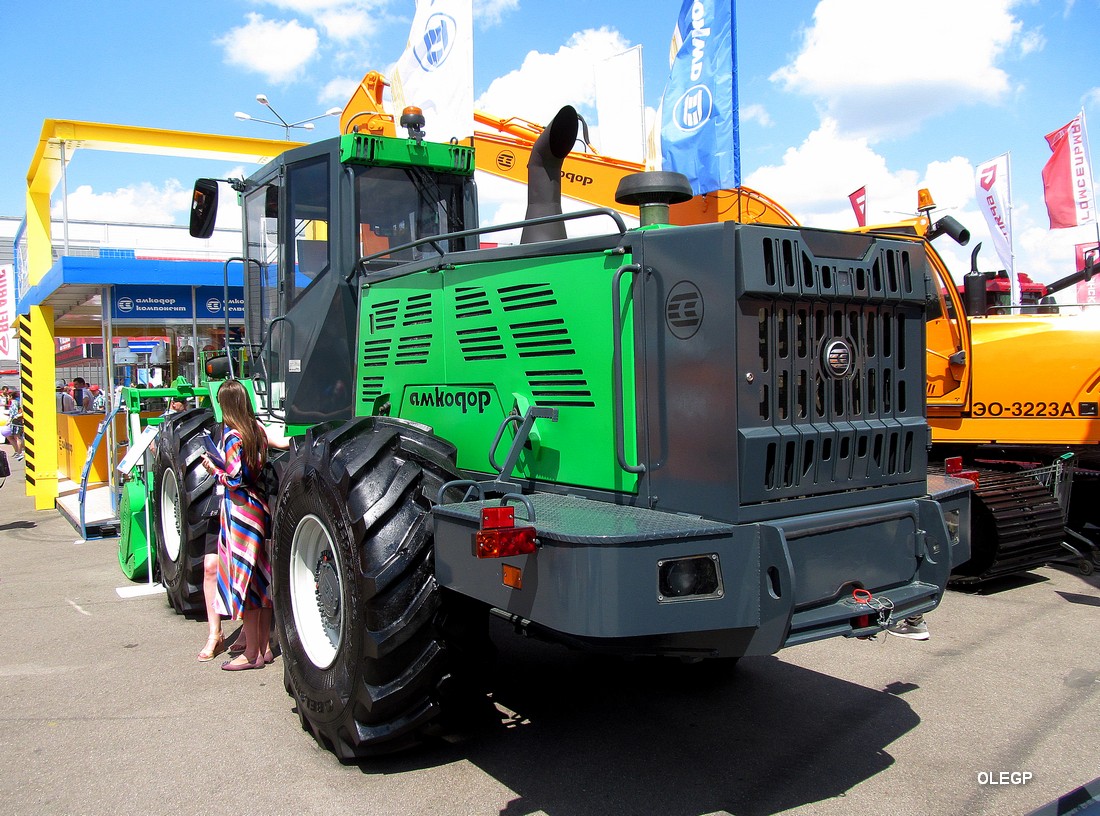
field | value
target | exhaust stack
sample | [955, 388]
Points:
[544, 175]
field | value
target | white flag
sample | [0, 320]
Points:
[994, 192]
[436, 71]
[620, 105]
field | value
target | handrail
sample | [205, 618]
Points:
[100, 431]
[617, 370]
[433, 240]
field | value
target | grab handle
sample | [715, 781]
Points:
[617, 369]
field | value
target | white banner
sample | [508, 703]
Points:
[994, 192]
[436, 71]
[620, 108]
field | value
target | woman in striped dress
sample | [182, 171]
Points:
[244, 569]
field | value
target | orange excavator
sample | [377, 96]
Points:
[1014, 393]
[502, 147]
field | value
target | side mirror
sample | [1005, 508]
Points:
[204, 208]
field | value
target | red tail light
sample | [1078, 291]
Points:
[499, 537]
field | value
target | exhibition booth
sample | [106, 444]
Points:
[110, 314]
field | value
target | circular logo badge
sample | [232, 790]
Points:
[213, 305]
[684, 310]
[839, 358]
[506, 160]
[693, 109]
[436, 42]
[125, 304]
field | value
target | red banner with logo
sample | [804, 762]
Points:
[994, 196]
[8, 346]
[859, 205]
[1067, 177]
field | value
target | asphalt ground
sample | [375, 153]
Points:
[106, 711]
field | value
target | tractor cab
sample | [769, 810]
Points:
[306, 248]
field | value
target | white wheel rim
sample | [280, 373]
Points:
[316, 591]
[170, 515]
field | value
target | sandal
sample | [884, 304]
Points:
[233, 665]
[209, 652]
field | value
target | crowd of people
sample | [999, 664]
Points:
[77, 397]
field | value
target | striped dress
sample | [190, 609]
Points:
[244, 569]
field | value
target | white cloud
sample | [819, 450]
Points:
[814, 179]
[338, 90]
[755, 113]
[882, 68]
[345, 24]
[545, 82]
[491, 12]
[277, 49]
[140, 204]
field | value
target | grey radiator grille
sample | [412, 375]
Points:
[832, 357]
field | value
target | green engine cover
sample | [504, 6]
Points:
[461, 348]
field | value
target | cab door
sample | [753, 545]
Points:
[948, 342]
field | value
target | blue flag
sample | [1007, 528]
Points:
[699, 129]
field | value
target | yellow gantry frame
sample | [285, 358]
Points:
[61, 138]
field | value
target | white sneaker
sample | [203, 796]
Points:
[908, 628]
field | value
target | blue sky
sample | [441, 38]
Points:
[835, 94]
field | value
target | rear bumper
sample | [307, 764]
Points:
[594, 579]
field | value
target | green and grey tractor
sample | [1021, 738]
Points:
[699, 442]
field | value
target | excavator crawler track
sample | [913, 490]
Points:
[1017, 525]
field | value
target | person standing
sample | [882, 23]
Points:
[65, 402]
[244, 568]
[15, 417]
[82, 397]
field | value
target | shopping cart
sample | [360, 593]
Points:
[1058, 479]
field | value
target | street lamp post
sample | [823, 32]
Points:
[304, 124]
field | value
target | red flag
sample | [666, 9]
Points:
[1067, 177]
[859, 205]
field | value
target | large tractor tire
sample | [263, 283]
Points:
[363, 626]
[184, 507]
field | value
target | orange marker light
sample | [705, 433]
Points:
[511, 576]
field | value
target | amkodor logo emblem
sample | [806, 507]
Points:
[839, 358]
[125, 304]
[684, 310]
[436, 42]
[213, 305]
[693, 109]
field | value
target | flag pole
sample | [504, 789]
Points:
[1013, 281]
[1088, 147]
